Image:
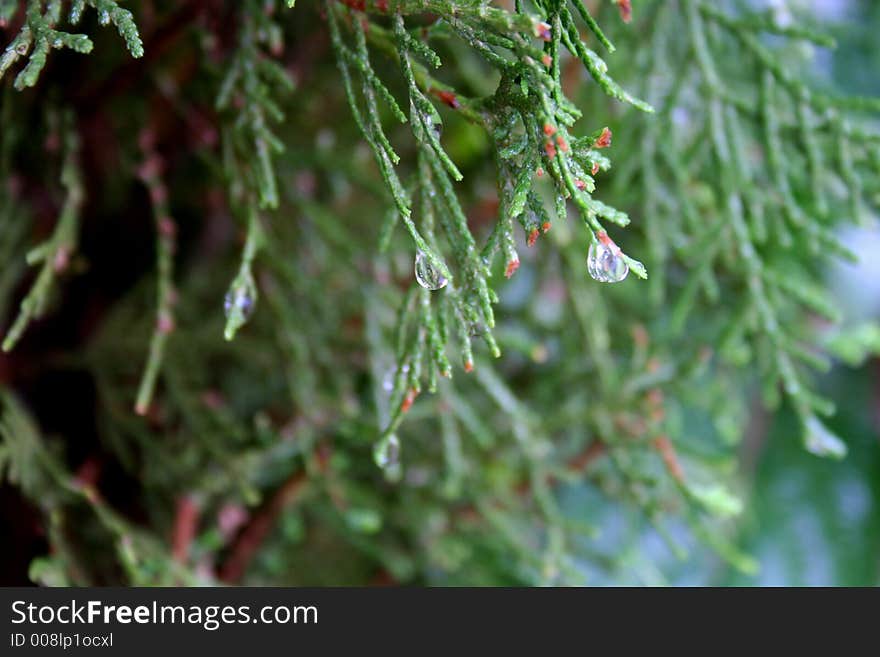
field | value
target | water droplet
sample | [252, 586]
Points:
[57, 42]
[391, 374]
[427, 275]
[821, 442]
[604, 265]
[104, 17]
[388, 380]
[434, 123]
[386, 452]
[240, 300]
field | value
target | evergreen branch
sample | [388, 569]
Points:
[56, 252]
[493, 18]
[109, 11]
[25, 458]
[254, 86]
[254, 83]
[150, 173]
[734, 189]
[544, 112]
[38, 35]
[242, 296]
[249, 540]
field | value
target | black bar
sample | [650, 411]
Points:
[413, 621]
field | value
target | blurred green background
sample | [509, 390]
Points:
[807, 521]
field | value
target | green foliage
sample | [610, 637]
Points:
[38, 35]
[783, 161]
[450, 135]
[56, 252]
[528, 119]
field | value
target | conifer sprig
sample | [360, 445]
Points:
[38, 35]
[57, 251]
[251, 95]
[528, 118]
[251, 92]
[27, 461]
[631, 398]
[150, 173]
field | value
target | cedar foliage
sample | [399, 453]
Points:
[342, 423]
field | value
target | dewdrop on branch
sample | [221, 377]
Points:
[604, 266]
[239, 301]
[427, 274]
[433, 121]
[821, 441]
[605, 261]
[239, 304]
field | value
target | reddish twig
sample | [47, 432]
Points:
[186, 520]
[670, 459]
[257, 529]
[583, 460]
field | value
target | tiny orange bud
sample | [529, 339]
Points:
[604, 140]
[542, 31]
[408, 400]
[447, 97]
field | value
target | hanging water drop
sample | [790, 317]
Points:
[241, 301]
[427, 274]
[391, 375]
[821, 441]
[434, 122]
[388, 380]
[386, 452]
[436, 126]
[605, 263]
